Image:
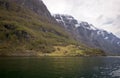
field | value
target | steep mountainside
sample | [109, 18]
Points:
[35, 5]
[90, 35]
[26, 30]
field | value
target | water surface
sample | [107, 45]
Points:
[59, 67]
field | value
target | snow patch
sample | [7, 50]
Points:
[62, 20]
[77, 25]
[70, 18]
[92, 27]
[101, 33]
[58, 20]
[106, 38]
[98, 32]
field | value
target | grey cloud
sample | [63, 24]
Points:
[101, 13]
[109, 22]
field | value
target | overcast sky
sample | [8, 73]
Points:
[104, 14]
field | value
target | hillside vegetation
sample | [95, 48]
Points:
[24, 33]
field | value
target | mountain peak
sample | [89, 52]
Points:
[89, 34]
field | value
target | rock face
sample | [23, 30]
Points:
[90, 35]
[68, 22]
[35, 5]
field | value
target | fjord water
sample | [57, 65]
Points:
[59, 67]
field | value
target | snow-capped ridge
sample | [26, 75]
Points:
[89, 34]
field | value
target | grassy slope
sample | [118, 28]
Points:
[24, 33]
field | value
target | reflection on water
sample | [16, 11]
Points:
[59, 67]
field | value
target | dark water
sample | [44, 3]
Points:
[60, 67]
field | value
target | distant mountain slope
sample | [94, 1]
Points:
[90, 35]
[28, 29]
